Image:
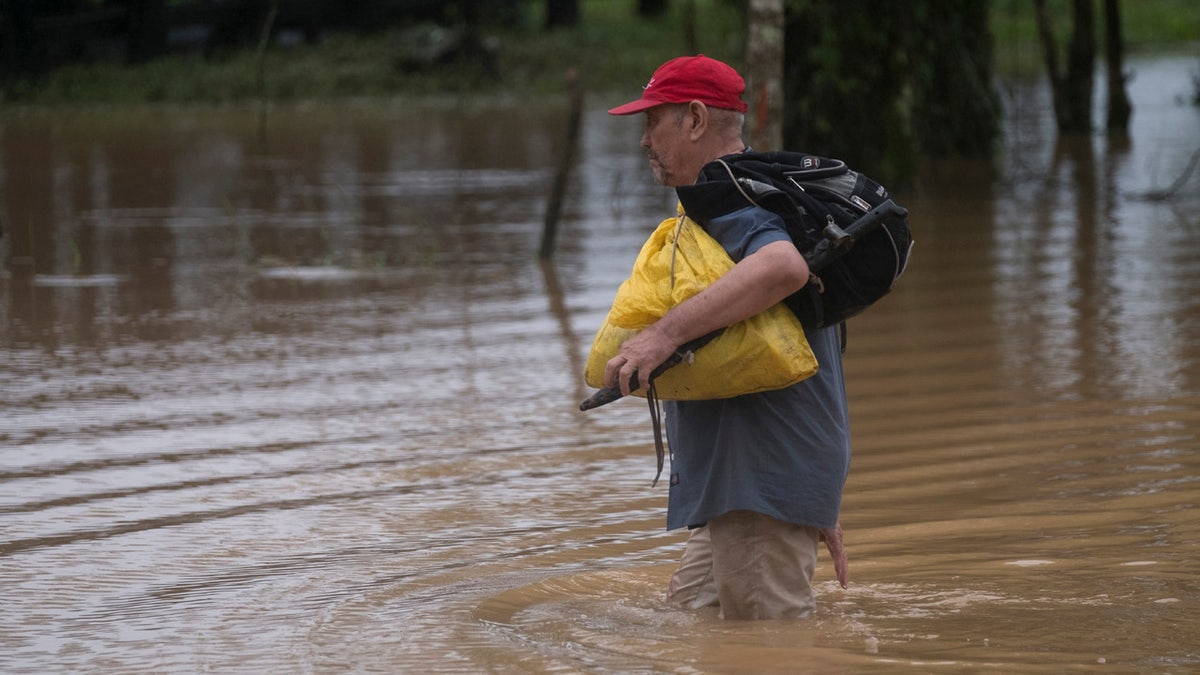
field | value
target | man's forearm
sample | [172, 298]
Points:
[758, 282]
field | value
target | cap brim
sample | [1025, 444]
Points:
[634, 107]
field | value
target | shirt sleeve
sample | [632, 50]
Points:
[746, 230]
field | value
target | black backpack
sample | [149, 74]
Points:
[855, 239]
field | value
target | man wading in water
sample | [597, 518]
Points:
[758, 478]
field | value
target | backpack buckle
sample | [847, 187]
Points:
[835, 234]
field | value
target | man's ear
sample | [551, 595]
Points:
[697, 119]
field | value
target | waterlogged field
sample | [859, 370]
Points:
[307, 402]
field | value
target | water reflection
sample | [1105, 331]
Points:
[1090, 275]
[307, 402]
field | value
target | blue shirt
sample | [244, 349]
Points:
[784, 453]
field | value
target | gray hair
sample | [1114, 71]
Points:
[728, 120]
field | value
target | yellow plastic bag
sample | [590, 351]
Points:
[766, 351]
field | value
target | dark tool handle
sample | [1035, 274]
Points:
[829, 250]
[610, 394]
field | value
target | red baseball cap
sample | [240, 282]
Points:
[690, 78]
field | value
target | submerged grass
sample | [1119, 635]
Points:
[611, 48]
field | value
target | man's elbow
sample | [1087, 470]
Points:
[791, 269]
[798, 275]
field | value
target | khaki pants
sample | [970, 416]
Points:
[750, 565]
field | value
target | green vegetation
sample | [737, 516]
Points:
[1148, 26]
[611, 47]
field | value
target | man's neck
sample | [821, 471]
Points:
[735, 147]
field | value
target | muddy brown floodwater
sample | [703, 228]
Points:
[307, 403]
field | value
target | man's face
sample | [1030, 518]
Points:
[667, 143]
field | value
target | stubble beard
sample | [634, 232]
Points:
[657, 168]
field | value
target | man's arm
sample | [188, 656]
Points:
[758, 282]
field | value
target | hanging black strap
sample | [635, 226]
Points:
[656, 422]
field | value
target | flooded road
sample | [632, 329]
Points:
[306, 402]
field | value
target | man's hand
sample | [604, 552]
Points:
[640, 354]
[833, 541]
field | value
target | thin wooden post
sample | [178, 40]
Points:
[554, 206]
[260, 75]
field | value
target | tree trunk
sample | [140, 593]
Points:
[561, 13]
[882, 85]
[764, 73]
[652, 9]
[690, 41]
[1072, 90]
[22, 54]
[147, 30]
[1081, 67]
[1050, 57]
[844, 79]
[955, 110]
[1119, 108]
